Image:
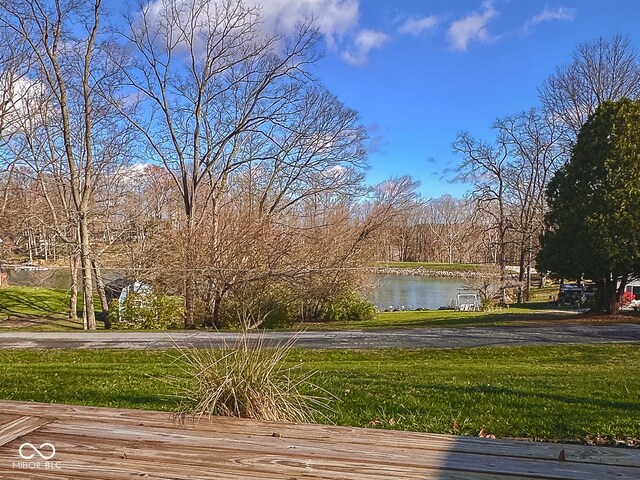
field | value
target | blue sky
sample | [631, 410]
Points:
[419, 71]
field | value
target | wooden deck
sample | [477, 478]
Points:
[101, 443]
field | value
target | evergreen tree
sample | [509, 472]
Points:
[593, 223]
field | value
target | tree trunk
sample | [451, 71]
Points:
[613, 293]
[521, 275]
[103, 295]
[214, 297]
[215, 317]
[543, 280]
[189, 283]
[527, 295]
[601, 288]
[188, 300]
[613, 307]
[522, 266]
[502, 257]
[87, 277]
[73, 298]
[520, 294]
[29, 243]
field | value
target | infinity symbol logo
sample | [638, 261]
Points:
[37, 450]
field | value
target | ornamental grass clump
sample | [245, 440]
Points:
[251, 379]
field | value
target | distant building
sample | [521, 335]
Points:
[121, 288]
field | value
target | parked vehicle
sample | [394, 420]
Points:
[571, 294]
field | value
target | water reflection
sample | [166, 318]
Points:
[391, 291]
[415, 292]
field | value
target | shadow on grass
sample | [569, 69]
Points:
[150, 402]
[140, 402]
[493, 390]
[18, 322]
[25, 303]
[40, 309]
[456, 319]
[538, 306]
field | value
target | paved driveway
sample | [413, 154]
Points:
[409, 338]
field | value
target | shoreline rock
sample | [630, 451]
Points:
[425, 272]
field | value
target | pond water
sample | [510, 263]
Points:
[414, 292]
[393, 291]
[54, 278]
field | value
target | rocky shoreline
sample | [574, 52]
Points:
[425, 272]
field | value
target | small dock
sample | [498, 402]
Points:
[45, 441]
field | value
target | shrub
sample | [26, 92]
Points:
[147, 311]
[486, 304]
[281, 315]
[259, 306]
[248, 379]
[349, 307]
[627, 298]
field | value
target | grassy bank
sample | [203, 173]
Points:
[44, 309]
[517, 316]
[32, 301]
[568, 392]
[39, 309]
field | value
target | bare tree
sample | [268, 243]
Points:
[487, 285]
[605, 69]
[535, 146]
[449, 220]
[219, 96]
[76, 122]
[486, 166]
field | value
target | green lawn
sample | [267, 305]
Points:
[44, 309]
[39, 309]
[31, 301]
[515, 316]
[568, 392]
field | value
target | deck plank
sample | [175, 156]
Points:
[21, 426]
[244, 465]
[266, 454]
[229, 427]
[95, 471]
[117, 443]
[161, 439]
[7, 417]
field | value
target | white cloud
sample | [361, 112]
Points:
[472, 28]
[415, 26]
[549, 15]
[334, 18]
[364, 42]
[338, 21]
[24, 102]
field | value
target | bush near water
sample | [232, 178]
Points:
[147, 311]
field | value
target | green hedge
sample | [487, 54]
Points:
[349, 307]
[147, 311]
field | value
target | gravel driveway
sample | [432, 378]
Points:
[406, 338]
